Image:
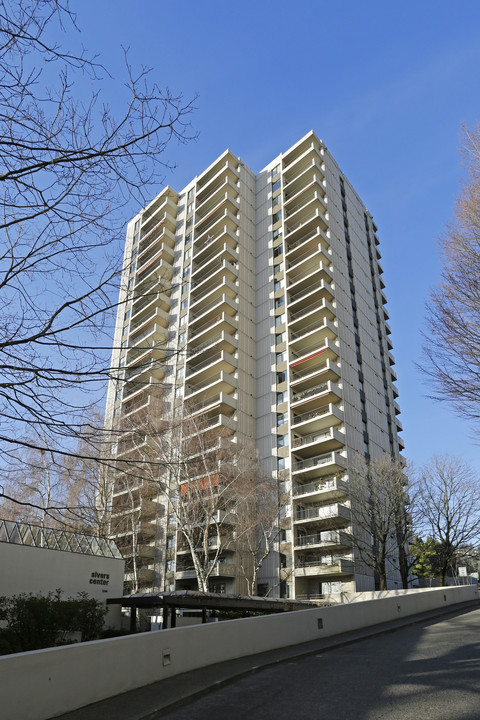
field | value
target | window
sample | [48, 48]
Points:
[189, 222]
[280, 301]
[280, 357]
[281, 419]
[281, 377]
[276, 185]
[186, 272]
[279, 320]
[191, 194]
[280, 464]
[137, 225]
[278, 285]
[127, 314]
[190, 207]
[282, 441]
[188, 238]
[184, 303]
[275, 171]
[180, 373]
[278, 268]
[182, 337]
[179, 391]
[279, 338]
[136, 238]
[125, 330]
[170, 565]
[281, 397]
[277, 251]
[277, 233]
[276, 217]
[188, 254]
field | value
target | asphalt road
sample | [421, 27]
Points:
[427, 671]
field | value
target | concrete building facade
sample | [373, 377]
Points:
[258, 300]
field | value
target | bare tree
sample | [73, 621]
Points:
[449, 507]
[380, 522]
[452, 345]
[257, 525]
[68, 169]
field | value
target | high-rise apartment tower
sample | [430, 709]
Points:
[260, 297]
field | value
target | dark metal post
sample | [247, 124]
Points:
[173, 620]
[133, 619]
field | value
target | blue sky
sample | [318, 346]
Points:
[387, 86]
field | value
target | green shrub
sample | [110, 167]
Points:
[39, 621]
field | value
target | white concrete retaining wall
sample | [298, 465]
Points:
[44, 683]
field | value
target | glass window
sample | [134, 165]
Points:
[190, 207]
[137, 225]
[281, 377]
[279, 320]
[184, 303]
[281, 397]
[179, 391]
[281, 418]
[276, 185]
[280, 301]
[278, 285]
[277, 233]
[275, 171]
[279, 338]
[188, 238]
[280, 357]
[276, 217]
[127, 314]
[188, 254]
[280, 463]
[278, 268]
[189, 222]
[186, 272]
[182, 337]
[191, 194]
[277, 251]
[282, 441]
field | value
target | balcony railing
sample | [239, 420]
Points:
[323, 459]
[316, 390]
[323, 410]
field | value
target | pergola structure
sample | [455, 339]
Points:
[170, 602]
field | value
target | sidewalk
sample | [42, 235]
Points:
[152, 701]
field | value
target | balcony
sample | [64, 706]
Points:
[219, 341]
[222, 189]
[307, 261]
[144, 309]
[303, 378]
[330, 515]
[217, 362]
[308, 360]
[221, 403]
[217, 254]
[220, 382]
[319, 568]
[300, 159]
[142, 373]
[222, 569]
[166, 202]
[301, 209]
[151, 335]
[304, 295]
[316, 274]
[315, 467]
[227, 163]
[220, 271]
[328, 539]
[158, 319]
[331, 489]
[323, 393]
[211, 311]
[308, 241]
[220, 323]
[307, 337]
[144, 355]
[225, 212]
[213, 243]
[326, 441]
[320, 418]
[222, 286]
[156, 272]
[312, 173]
[300, 229]
[154, 240]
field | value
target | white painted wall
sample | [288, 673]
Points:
[27, 569]
[63, 679]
